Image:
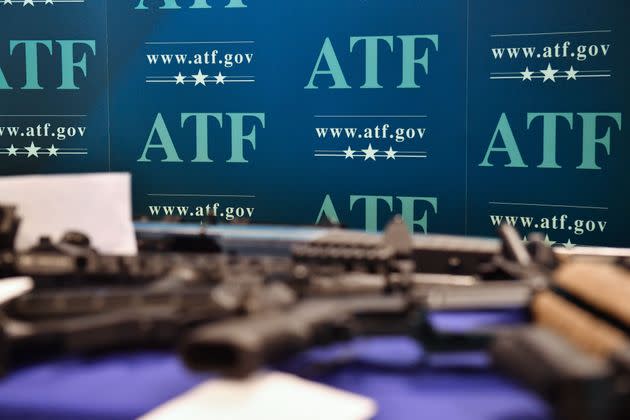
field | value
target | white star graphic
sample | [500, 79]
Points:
[32, 150]
[349, 153]
[52, 151]
[370, 153]
[220, 79]
[7, 2]
[571, 74]
[29, 2]
[569, 245]
[548, 241]
[49, 2]
[391, 154]
[550, 74]
[12, 150]
[179, 79]
[200, 78]
[527, 74]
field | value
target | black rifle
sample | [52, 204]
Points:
[77, 290]
[393, 302]
[234, 313]
[585, 375]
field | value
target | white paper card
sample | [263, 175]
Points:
[14, 287]
[98, 205]
[268, 396]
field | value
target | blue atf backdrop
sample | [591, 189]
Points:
[457, 114]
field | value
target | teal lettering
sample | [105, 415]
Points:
[238, 136]
[166, 142]
[409, 60]
[234, 4]
[371, 57]
[510, 146]
[334, 68]
[409, 210]
[3, 82]
[328, 211]
[200, 4]
[371, 209]
[32, 65]
[68, 64]
[549, 136]
[202, 133]
[590, 139]
[168, 4]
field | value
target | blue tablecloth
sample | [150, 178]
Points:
[393, 371]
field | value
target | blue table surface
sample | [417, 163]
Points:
[394, 371]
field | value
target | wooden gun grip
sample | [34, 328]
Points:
[605, 287]
[580, 327]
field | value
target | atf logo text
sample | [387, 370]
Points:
[35, 57]
[235, 128]
[414, 210]
[594, 139]
[413, 52]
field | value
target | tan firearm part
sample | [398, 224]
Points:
[580, 327]
[603, 286]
